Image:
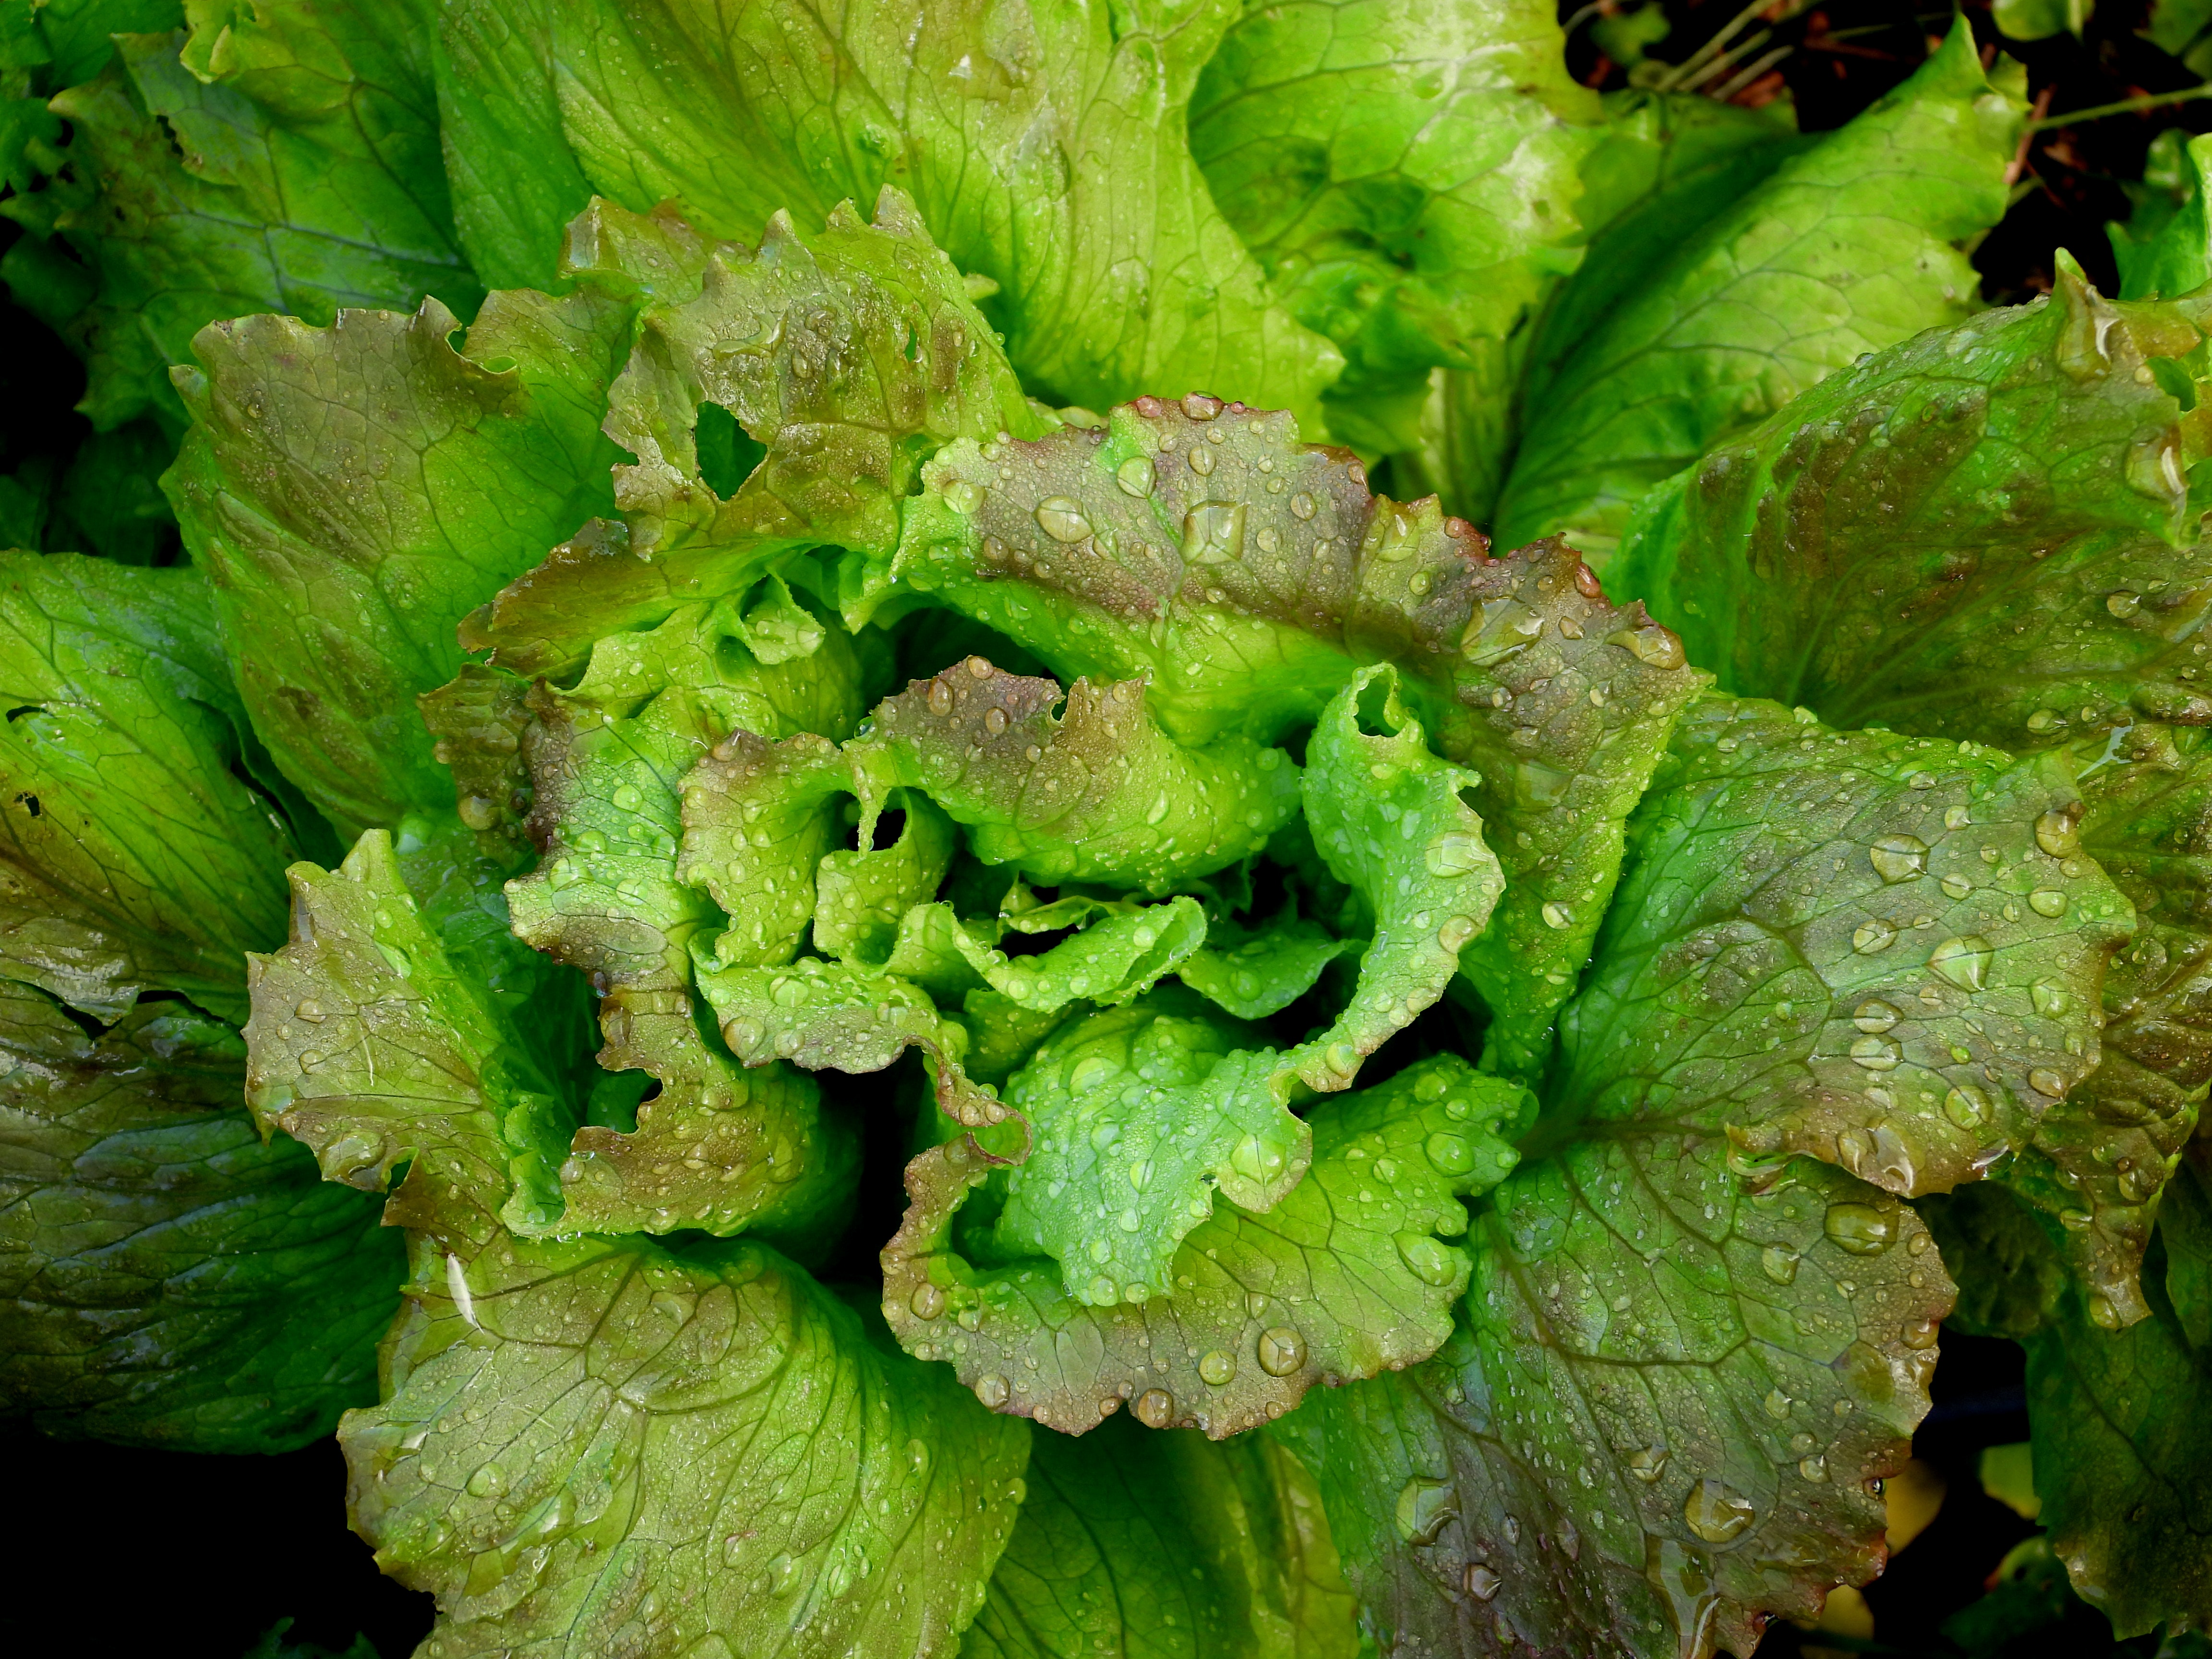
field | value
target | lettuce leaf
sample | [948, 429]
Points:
[1047, 152]
[1348, 1274]
[276, 158]
[608, 1441]
[1156, 1546]
[353, 491]
[1845, 248]
[1406, 174]
[136, 858]
[168, 1279]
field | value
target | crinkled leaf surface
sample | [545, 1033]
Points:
[850, 353]
[168, 1279]
[1347, 1275]
[716, 1148]
[134, 857]
[366, 1044]
[1985, 533]
[1247, 574]
[605, 1444]
[1876, 950]
[1166, 1546]
[1142, 1113]
[284, 159]
[1662, 1409]
[1046, 149]
[1406, 174]
[354, 490]
[1078, 784]
[1258, 971]
[1842, 250]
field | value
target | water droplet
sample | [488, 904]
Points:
[2050, 998]
[1430, 1262]
[1654, 645]
[1647, 1464]
[1873, 936]
[1814, 1469]
[2047, 902]
[1455, 933]
[479, 812]
[1218, 1368]
[488, 1481]
[1778, 1263]
[940, 698]
[1716, 1513]
[1875, 1054]
[1201, 461]
[1963, 961]
[2102, 1311]
[1861, 1229]
[2045, 1081]
[311, 1011]
[1777, 1405]
[1452, 1154]
[1956, 886]
[1136, 476]
[1898, 858]
[928, 1301]
[1920, 1333]
[1557, 915]
[1875, 1016]
[991, 1390]
[1156, 1409]
[1200, 407]
[1302, 505]
[2058, 832]
[1062, 518]
[1966, 1106]
[1282, 1351]
[1101, 1293]
[1424, 1506]
[963, 497]
[1482, 1582]
[627, 798]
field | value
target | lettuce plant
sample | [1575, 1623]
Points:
[1455, 1079]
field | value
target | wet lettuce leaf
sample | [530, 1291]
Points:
[1155, 1545]
[1846, 248]
[613, 1440]
[280, 157]
[1348, 1274]
[137, 857]
[1405, 173]
[168, 1279]
[1047, 152]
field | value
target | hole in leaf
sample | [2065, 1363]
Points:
[727, 454]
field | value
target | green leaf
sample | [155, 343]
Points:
[1347, 1275]
[1858, 947]
[861, 895]
[1389, 820]
[1405, 172]
[1077, 785]
[2164, 250]
[2038, 20]
[1159, 1545]
[1842, 250]
[850, 353]
[477, 720]
[1256, 972]
[165, 1279]
[287, 162]
[1985, 534]
[2117, 1415]
[353, 491]
[606, 1442]
[609, 758]
[515, 183]
[134, 858]
[2178, 26]
[367, 1045]
[1246, 575]
[1142, 1113]
[1663, 1411]
[1049, 151]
